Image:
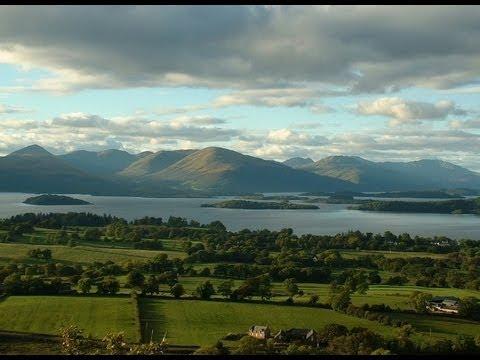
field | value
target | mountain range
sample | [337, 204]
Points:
[216, 171]
[368, 175]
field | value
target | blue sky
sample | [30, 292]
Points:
[274, 82]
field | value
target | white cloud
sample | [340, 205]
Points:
[406, 111]
[288, 97]
[88, 131]
[466, 124]
[79, 120]
[5, 109]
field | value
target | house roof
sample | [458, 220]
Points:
[439, 299]
[259, 328]
[296, 333]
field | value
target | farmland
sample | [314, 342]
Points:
[81, 254]
[189, 322]
[394, 296]
[46, 314]
[213, 282]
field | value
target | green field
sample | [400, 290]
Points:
[46, 314]
[349, 254]
[394, 296]
[196, 322]
[80, 254]
[444, 326]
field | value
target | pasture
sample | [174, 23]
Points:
[197, 322]
[80, 254]
[394, 296]
[47, 314]
[349, 254]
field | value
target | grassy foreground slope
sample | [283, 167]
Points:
[46, 314]
[196, 322]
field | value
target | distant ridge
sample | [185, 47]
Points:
[34, 169]
[217, 171]
[298, 162]
[221, 170]
[154, 162]
[388, 176]
[99, 163]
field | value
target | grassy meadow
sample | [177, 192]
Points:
[46, 314]
[80, 254]
[197, 322]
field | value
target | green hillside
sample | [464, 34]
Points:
[152, 163]
[221, 170]
[33, 169]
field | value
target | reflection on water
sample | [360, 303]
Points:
[329, 219]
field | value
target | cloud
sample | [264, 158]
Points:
[78, 130]
[288, 97]
[199, 120]
[80, 120]
[289, 136]
[407, 111]
[74, 131]
[321, 109]
[361, 48]
[4, 109]
[466, 124]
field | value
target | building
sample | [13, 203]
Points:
[297, 335]
[259, 332]
[444, 305]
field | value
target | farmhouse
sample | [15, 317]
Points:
[297, 335]
[259, 332]
[444, 304]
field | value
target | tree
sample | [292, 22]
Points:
[465, 344]
[205, 290]
[225, 288]
[13, 284]
[420, 301]
[469, 307]
[150, 348]
[152, 285]
[313, 299]
[135, 279]
[109, 285]
[291, 286]
[115, 343]
[217, 349]
[84, 285]
[249, 346]
[177, 290]
[374, 277]
[72, 340]
[265, 291]
[92, 234]
[295, 349]
[339, 297]
[331, 331]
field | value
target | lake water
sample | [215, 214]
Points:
[329, 219]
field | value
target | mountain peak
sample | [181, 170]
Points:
[298, 162]
[32, 150]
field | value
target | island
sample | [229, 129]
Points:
[464, 206]
[425, 194]
[274, 197]
[260, 205]
[54, 200]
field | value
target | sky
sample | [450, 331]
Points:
[387, 83]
